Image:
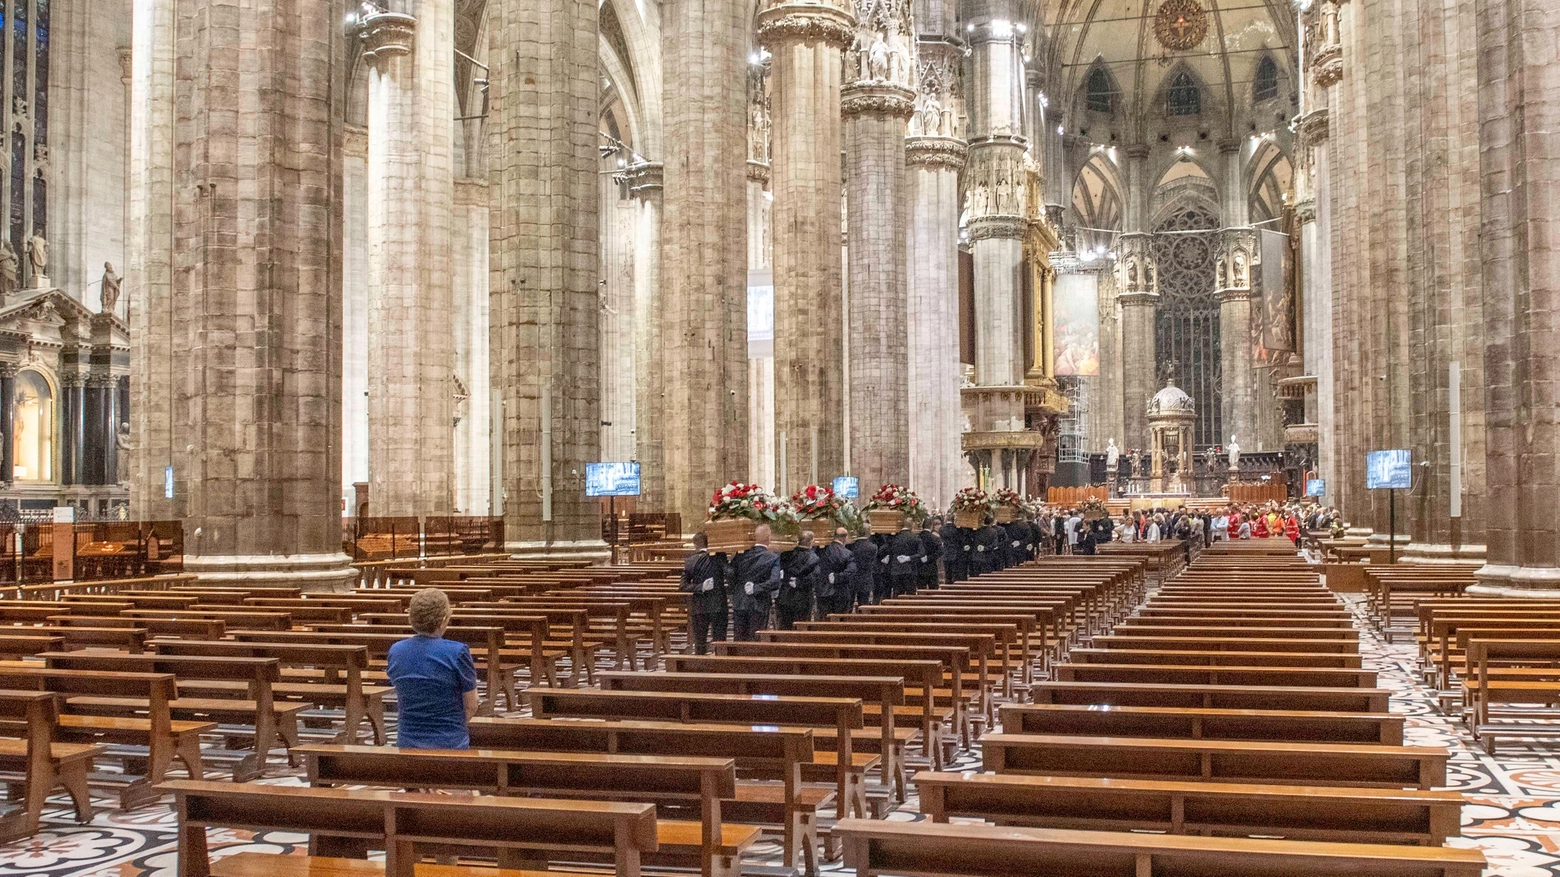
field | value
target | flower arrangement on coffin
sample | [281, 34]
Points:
[970, 507]
[738, 501]
[892, 499]
[823, 510]
[1008, 505]
[1093, 509]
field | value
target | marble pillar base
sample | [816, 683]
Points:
[592, 550]
[314, 573]
[1496, 580]
[1430, 554]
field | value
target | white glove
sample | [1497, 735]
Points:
[966, 548]
[709, 585]
[980, 548]
[831, 578]
[1015, 544]
[747, 588]
[904, 558]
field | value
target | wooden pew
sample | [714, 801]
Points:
[769, 760]
[1485, 685]
[884, 693]
[663, 780]
[36, 763]
[872, 848]
[253, 702]
[1255, 697]
[1215, 657]
[163, 737]
[407, 825]
[1330, 764]
[16, 643]
[1311, 813]
[843, 714]
[1200, 723]
[1171, 674]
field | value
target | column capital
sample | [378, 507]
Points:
[877, 99]
[1315, 126]
[758, 172]
[8, 369]
[1305, 211]
[994, 31]
[787, 22]
[646, 177]
[73, 380]
[101, 380]
[987, 228]
[387, 34]
[1138, 150]
[936, 153]
[1137, 299]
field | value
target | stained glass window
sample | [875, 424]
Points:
[24, 112]
[1265, 85]
[1098, 91]
[1185, 97]
[1187, 330]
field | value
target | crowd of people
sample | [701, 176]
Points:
[748, 589]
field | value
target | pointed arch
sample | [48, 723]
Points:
[1101, 94]
[1098, 201]
[1272, 176]
[1264, 82]
[1183, 97]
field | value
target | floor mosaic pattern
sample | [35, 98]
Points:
[1512, 814]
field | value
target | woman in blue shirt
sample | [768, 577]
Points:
[435, 679]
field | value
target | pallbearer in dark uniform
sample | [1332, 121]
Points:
[956, 553]
[704, 580]
[881, 588]
[863, 578]
[931, 553]
[796, 587]
[754, 581]
[835, 580]
[984, 559]
[904, 559]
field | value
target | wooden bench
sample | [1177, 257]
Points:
[1214, 657]
[1254, 697]
[1202, 723]
[873, 848]
[769, 760]
[1330, 764]
[1171, 674]
[1312, 813]
[410, 825]
[161, 736]
[252, 702]
[676, 781]
[1488, 684]
[36, 763]
[842, 714]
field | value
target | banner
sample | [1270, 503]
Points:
[1076, 307]
[1272, 301]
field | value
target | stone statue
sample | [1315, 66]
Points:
[111, 281]
[931, 115]
[1223, 273]
[1132, 273]
[1112, 456]
[1234, 453]
[1153, 276]
[9, 268]
[1329, 24]
[899, 58]
[122, 440]
[38, 259]
[1005, 196]
[878, 63]
[1238, 275]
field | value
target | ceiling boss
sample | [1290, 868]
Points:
[1180, 24]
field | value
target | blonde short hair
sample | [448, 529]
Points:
[429, 610]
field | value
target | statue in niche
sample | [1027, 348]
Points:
[879, 59]
[111, 283]
[1234, 454]
[10, 267]
[1005, 196]
[1112, 456]
[931, 115]
[1329, 24]
[899, 57]
[1223, 273]
[1132, 273]
[122, 441]
[1153, 276]
[38, 259]
[1239, 273]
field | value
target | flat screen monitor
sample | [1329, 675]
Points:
[1392, 470]
[1315, 487]
[848, 487]
[611, 479]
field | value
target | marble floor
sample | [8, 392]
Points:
[1513, 810]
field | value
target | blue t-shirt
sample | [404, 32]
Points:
[431, 675]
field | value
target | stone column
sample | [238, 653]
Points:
[934, 154]
[619, 320]
[704, 45]
[1138, 282]
[761, 327]
[542, 161]
[805, 40]
[7, 422]
[1236, 266]
[411, 333]
[877, 104]
[1519, 111]
[103, 431]
[648, 188]
[73, 415]
[253, 407]
[156, 357]
[1314, 213]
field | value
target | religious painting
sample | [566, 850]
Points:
[1272, 301]
[1076, 306]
